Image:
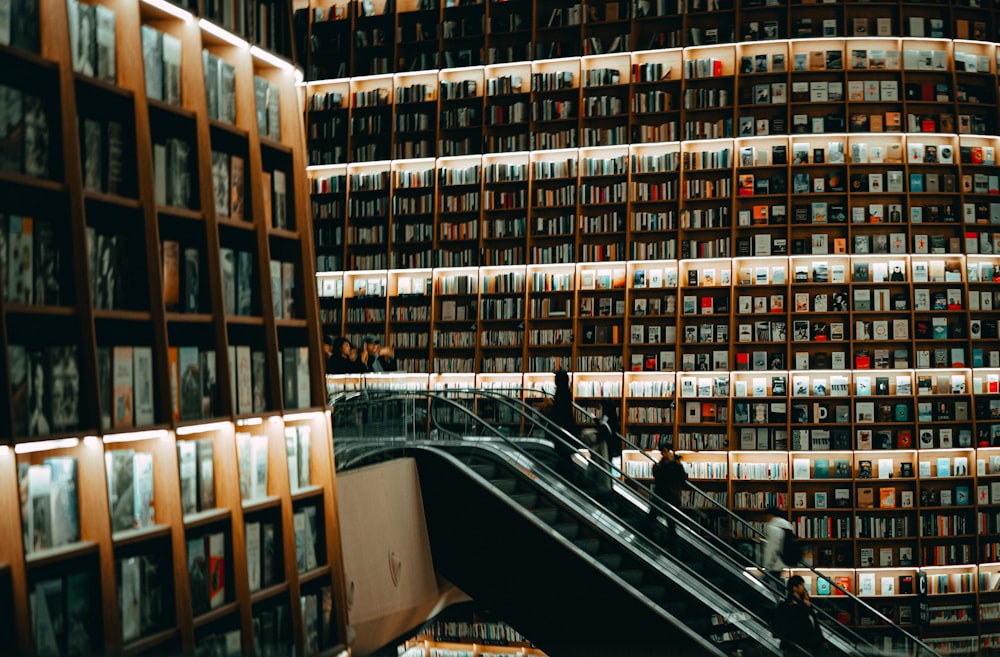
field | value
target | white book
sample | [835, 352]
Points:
[142, 487]
[187, 464]
[142, 372]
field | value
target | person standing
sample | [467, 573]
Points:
[796, 624]
[341, 361]
[609, 430]
[774, 541]
[669, 478]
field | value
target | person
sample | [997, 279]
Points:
[669, 478]
[377, 358]
[329, 362]
[561, 414]
[341, 358]
[795, 622]
[609, 430]
[774, 533]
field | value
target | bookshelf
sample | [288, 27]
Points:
[767, 229]
[178, 176]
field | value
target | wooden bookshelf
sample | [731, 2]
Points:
[126, 338]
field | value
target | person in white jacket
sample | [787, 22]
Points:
[774, 533]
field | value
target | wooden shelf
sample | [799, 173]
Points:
[50, 556]
[207, 517]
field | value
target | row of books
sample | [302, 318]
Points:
[50, 508]
[92, 40]
[24, 133]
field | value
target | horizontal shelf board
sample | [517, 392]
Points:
[291, 323]
[267, 142]
[236, 223]
[169, 108]
[207, 517]
[189, 318]
[222, 126]
[31, 181]
[306, 493]
[103, 85]
[261, 504]
[91, 196]
[146, 643]
[123, 315]
[280, 232]
[314, 574]
[31, 309]
[50, 556]
[257, 597]
[133, 536]
[245, 320]
[218, 613]
[180, 213]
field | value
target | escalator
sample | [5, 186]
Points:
[565, 556]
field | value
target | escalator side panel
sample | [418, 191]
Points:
[531, 578]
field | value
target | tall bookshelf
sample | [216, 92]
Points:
[161, 412]
[764, 228]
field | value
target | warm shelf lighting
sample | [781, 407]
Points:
[271, 60]
[201, 428]
[134, 435]
[170, 8]
[250, 421]
[45, 445]
[219, 33]
[295, 417]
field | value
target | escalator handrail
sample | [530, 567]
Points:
[749, 621]
[540, 418]
[528, 411]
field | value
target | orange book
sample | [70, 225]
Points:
[844, 582]
[172, 365]
[887, 498]
[171, 274]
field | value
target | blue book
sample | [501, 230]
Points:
[943, 467]
[916, 182]
[961, 495]
[821, 469]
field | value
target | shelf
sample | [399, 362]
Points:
[257, 597]
[150, 642]
[307, 493]
[209, 517]
[50, 556]
[216, 614]
[261, 504]
[313, 575]
[131, 537]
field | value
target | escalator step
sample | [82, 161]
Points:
[654, 592]
[527, 500]
[567, 529]
[506, 485]
[487, 470]
[632, 576]
[612, 561]
[547, 515]
[588, 545]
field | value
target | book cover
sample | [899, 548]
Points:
[216, 552]
[258, 364]
[122, 403]
[169, 68]
[192, 280]
[142, 372]
[189, 379]
[104, 39]
[253, 548]
[198, 574]
[121, 498]
[279, 197]
[205, 455]
[187, 466]
[171, 250]
[227, 258]
[237, 185]
[244, 380]
[287, 290]
[221, 189]
[153, 61]
[244, 283]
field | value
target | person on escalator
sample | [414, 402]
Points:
[774, 533]
[796, 624]
[669, 479]
[562, 415]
